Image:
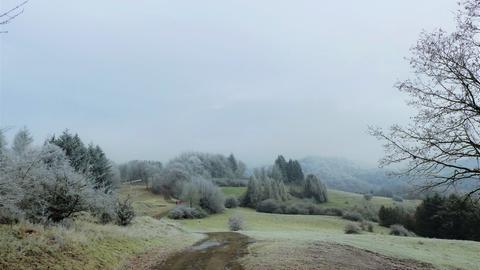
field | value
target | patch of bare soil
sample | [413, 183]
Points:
[328, 256]
[218, 252]
[335, 256]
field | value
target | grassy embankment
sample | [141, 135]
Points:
[87, 245]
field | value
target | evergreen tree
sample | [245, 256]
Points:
[253, 193]
[314, 188]
[277, 173]
[99, 167]
[233, 163]
[454, 217]
[22, 141]
[74, 149]
[294, 172]
[3, 142]
[90, 161]
[428, 222]
[297, 173]
[391, 215]
[282, 165]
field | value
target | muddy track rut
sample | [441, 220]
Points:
[219, 251]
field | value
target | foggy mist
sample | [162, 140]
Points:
[150, 79]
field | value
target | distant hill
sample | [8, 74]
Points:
[346, 175]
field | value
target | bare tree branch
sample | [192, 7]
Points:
[442, 144]
[10, 15]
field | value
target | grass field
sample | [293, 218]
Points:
[275, 233]
[282, 241]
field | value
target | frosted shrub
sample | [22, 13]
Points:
[236, 223]
[211, 197]
[125, 212]
[352, 228]
[231, 202]
[352, 216]
[185, 212]
[399, 230]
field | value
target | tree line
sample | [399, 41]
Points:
[449, 217]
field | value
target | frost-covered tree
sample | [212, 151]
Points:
[8, 15]
[3, 142]
[10, 192]
[442, 143]
[253, 195]
[261, 187]
[90, 161]
[288, 172]
[190, 194]
[39, 184]
[144, 170]
[233, 162]
[314, 188]
[99, 168]
[74, 149]
[22, 141]
[171, 180]
[282, 166]
[241, 169]
[294, 172]
[277, 173]
[204, 194]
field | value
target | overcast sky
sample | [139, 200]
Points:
[150, 79]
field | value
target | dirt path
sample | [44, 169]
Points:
[218, 251]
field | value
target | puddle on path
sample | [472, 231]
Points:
[219, 251]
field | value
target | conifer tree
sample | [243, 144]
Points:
[233, 163]
[22, 141]
[99, 167]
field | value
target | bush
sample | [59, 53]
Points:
[352, 228]
[352, 216]
[125, 212]
[103, 207]
[185, 212]
[367, 196]
[399, 230]
[231, 202]
[269, 206]
[297, 209]
[229, 182]
[205, 194]
[392, 215]
[367, 211]
[105, 218]
[333, 212]
[236, 223]
[366, 226]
